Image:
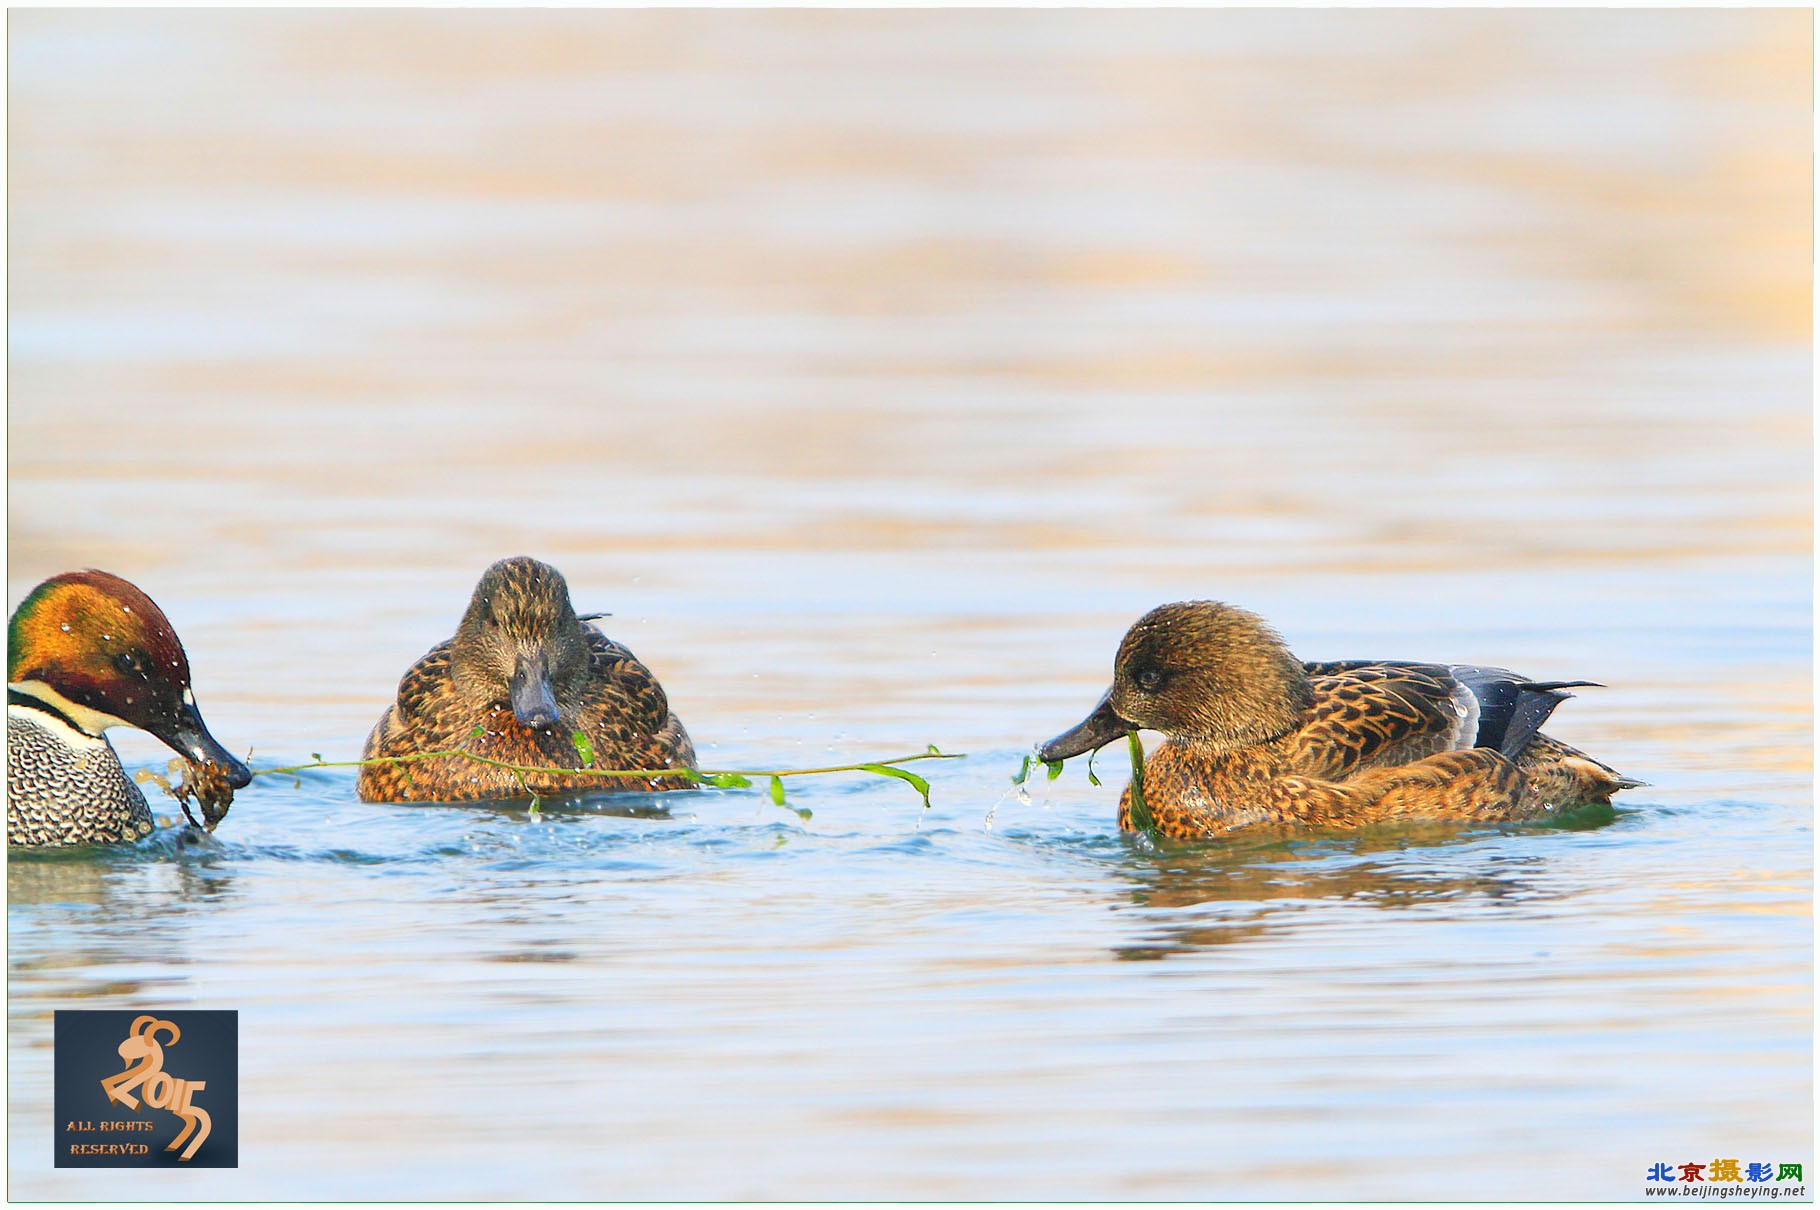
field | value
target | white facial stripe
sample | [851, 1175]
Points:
[70, 736]
[94, 722]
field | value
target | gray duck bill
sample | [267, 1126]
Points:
[1095, 731]
[533, 701]
[189, 736]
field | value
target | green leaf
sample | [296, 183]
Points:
[777, 789]
[317, 757]
[922, 787]
[934, 751]
[1141, 819]
[729, 781]
[583, 748]
[694, 775]
[1023, 771]
[1055, 769]
[1092, 777]
[803, 813]
[477, 732]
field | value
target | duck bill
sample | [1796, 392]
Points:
[533, 700]
[1095, 731]
[189, 736]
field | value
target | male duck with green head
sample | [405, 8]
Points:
[87, 651]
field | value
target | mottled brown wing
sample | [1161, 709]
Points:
[1370, 716]
[427, 709]
[629, 718]
[416, 721]
[1471, 783]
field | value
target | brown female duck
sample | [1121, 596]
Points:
[522, 676]
[1255, 735]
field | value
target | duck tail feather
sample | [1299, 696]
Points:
[1528, 713]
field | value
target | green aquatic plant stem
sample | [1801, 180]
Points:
[1141, 819]
[723, 778]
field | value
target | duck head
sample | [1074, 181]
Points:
[96, 650]
[1201, 671]
[521, 644]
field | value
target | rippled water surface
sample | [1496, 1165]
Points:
[876, 369]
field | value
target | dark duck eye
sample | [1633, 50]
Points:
[129, 663]
[1149, 680]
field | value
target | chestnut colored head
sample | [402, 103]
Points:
[94, 649]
